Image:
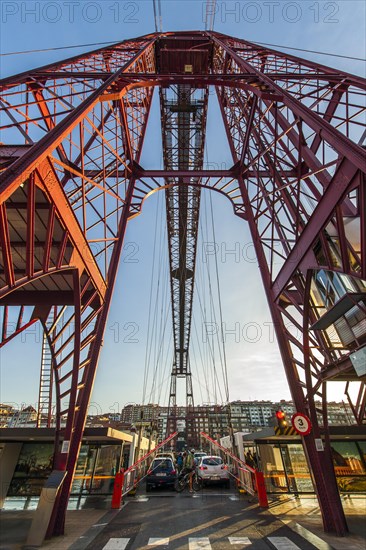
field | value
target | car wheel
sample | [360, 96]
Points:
[148, 488]
[227, 484]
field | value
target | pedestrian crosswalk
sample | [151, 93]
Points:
[201, 543]
[116, 544]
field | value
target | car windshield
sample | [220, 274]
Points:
[212, 461]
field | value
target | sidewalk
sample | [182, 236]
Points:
[303, 516]
[14, 527]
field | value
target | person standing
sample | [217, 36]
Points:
[180, 462]
[189, 467]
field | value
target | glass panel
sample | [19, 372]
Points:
[106, 468]
[84, 469]
[214, 461]
[297, 469]
[272, 467]
[362, 447]
[33, 468]
[348, 466]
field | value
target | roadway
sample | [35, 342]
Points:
[212, 519]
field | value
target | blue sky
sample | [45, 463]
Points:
[254, 365]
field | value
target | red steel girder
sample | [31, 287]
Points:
[298, 177]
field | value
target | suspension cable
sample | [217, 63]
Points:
[225, 377]
[150, 325]
[42, 50]
[157, 16]
[210, 15]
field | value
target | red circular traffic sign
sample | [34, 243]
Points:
[301, 423]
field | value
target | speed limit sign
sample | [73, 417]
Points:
[301, 423]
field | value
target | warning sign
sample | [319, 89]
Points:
[301, 423]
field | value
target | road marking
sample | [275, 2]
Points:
[158, 542]
[116, 544]
[316, 541]
[239, 540]
[198, 543]
[283, 543]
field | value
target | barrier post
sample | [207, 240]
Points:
[117, 490]
[261, 489]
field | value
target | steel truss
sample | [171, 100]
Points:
[71, 179]
[183, 110]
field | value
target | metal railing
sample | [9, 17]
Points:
[250, 479]
[127, 480]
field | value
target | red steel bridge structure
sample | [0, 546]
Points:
[71, 179]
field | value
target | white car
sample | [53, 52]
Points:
[168, 454]
[198, 455]
[212, 469]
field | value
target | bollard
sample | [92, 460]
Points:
[261, 489]
[117, 490]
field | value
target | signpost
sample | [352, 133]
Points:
[301, 423]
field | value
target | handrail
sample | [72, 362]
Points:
[252, 483]
[126, 480]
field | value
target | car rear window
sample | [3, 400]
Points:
[212, 461]
[162, 464]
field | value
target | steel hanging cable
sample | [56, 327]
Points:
[166, 304]
[155, 16]
[158, 16]
[165, 309]
[210, 15]
[210, 286]
[204, 362]
[146, 370]
[311, 51]
[225, 376]
[161, 347]
[211, 348]
[161, 290]
[154, 290]
[165, 375]
[318, 52]
[193, 356]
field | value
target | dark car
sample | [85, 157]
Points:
[162, 473]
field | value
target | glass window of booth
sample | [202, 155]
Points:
[33, 468]
[349, 465]
[96, 468]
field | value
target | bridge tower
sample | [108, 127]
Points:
[71, 179]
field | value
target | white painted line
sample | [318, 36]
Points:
[239, 540]
[116, 544]
[158, 542]
[316, 541]
[283, 543]
[198, 543]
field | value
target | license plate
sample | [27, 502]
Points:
[160, 475]
[215, 478]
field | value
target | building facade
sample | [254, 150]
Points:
[219, 421]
